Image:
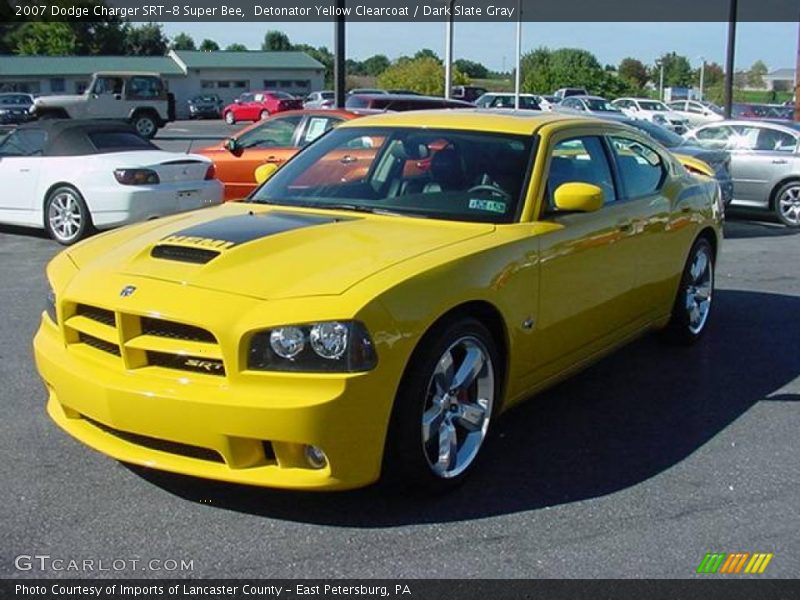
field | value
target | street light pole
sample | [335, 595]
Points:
[729, 63]
[517, 78]
[661, 82]
[339, 75]
[702, 75]
[448, 53]
[797, 79]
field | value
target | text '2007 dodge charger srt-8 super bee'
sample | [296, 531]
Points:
[378, 301]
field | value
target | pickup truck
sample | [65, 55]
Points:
[139, 98]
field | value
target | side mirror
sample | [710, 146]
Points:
[578, 197]
[232, 146]
[264, 172]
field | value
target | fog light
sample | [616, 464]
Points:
[316, 458]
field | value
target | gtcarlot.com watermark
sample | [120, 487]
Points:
[45, 563]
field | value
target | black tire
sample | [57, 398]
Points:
[146, 124]
[787, 204]
[689, 321]
[66, 216]
[408, 460]
[230, 118]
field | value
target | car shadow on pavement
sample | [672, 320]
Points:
[628, 418]
[738, 228]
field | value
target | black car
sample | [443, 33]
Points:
[14, 108]
[205, 106]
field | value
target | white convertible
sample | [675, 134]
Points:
[71, 177]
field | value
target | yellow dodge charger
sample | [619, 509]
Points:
[372, 308]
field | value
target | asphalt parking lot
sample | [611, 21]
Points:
[635, 468]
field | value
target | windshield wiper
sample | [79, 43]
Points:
[373, 210]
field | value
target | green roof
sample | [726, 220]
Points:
[247, 60]
[44, 66]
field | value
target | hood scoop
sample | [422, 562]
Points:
[196, 256]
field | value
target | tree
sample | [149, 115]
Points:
[677, 70]
[713, 75]
[634, 72]
[183, 41]
[545, 70]
[236, 48]
[375, 65]
[276, 41]
[322, 55]
[424, 75]
[472, 69]
[428, 53]
[39, 38]
[755, 76]
[146, 40]
[209, 46]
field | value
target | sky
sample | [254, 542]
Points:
[493, 44]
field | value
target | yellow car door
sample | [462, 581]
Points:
[588, 261]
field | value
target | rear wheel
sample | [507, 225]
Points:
[66, 217]
[263, 115]
[145, 125]
[230, 118]
[693, 303]
[444, 407]
[787, 204]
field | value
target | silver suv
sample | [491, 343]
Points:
[140, 98]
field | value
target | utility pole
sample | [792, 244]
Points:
[339, 75]
[661, 81]
[448, 53]
[517, 78]
[730, 62]
[797, 78]
[702, 76]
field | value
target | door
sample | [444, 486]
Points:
[274, 141]
[760, 158]
[587, 265]
[20, 167]
[105, 100]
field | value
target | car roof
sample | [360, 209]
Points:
[771, 123]
[526, 95]
[523, 122]
[127, 73]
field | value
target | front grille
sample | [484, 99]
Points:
[99, 344]
[101, 315]
[160, 445]
[176, 331]
[197, 256]
[208, 366]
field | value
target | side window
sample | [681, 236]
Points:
[143, 88]
[640, 167]
[581, 160]
[772, 140]
[24, 142]
[714, 137]
[276, 133]
[315, 127]
[696, 108]
[107, 85]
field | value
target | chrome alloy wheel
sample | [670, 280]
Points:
[699, 289]
[65, 216]
[458, 407]
[789, 204]
[146, 127]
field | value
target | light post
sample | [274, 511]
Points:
[448, 52]
[660, 66]
[702, 75]
[517, 78]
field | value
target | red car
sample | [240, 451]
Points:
[254, 106]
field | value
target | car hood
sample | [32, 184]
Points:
[267, 252]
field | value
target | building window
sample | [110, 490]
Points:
[25, 87]
[81, 86]
[208, 84]
[58, 85]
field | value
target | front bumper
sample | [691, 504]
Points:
[249, 430]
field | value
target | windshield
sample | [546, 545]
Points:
[206, 98]
[652, 105]
[446, 174]
[660, 134]
[600, 105]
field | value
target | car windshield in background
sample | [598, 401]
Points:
[119, 141]
[446, 174]
[652, 105]
[600, 105]
[208, 99]
[281, 95]
[660, 134]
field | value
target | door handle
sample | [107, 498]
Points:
[346, 160]
[273, 160]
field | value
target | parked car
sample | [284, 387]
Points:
[549, 102]
[570, 91]
[273, 140]
[765, 164]
[259, 105]
[397, 102]
[404, 92]
[205, 106]
[504, 100]
[327, 333]
[139, 98]
[762, 111]
[653, 110]
[467, 93]
[696, 159]
[696, 112]
[324, 99]
[15, 108]
[71, 177]
[589, 106]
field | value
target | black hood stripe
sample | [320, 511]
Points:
[227, 232]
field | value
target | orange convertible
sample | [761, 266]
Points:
[274, 140]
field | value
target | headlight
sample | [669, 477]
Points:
[327, 347]
[50, 306]
[136, 176]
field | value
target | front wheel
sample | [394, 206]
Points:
[787, 204]
[693, 303]
[444, 407]
[230, 118]
[145, 125]
[66, 217]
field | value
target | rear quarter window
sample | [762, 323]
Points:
[118, 141]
